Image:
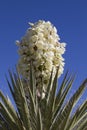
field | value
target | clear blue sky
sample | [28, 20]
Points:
[69, 17]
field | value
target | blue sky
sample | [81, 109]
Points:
[69, 17]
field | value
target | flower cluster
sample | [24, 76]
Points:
[41, 46]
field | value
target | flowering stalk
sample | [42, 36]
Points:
[41, 46]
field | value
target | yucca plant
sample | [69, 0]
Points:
[39, 104]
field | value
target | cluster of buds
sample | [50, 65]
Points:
[41, 46]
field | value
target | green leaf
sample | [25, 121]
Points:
[20, 99]
[50, 103]
[62, 118]
[81, 123]
[77, 115]
[59, 104]
[10, 108]
[39, 121]
[8, 117]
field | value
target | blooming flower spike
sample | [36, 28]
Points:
[41, 46]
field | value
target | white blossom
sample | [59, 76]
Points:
[41, 45]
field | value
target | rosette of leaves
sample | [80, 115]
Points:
[35, 113]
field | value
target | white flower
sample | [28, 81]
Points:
[41, 45]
